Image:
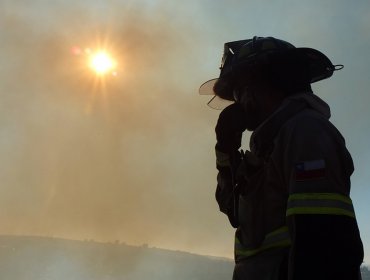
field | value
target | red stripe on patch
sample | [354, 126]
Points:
[310, 174]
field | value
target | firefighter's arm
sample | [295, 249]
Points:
[319, 211]
[229, 129]
[225, 195]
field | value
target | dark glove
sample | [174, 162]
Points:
[230, 127]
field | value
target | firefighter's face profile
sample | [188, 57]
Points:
[247, 97]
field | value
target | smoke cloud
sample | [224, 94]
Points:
[83, 158]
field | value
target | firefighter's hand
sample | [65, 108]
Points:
[251, 164]
[230, 127]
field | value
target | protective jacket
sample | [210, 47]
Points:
[289, 196]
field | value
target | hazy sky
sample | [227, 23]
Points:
[132, 157]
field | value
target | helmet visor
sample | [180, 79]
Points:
[216, 102]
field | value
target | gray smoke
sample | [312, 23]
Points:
[120, 159]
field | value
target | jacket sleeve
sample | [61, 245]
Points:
[317, 166]
[225, 196]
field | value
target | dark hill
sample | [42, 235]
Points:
[41, 258]
[37, 258]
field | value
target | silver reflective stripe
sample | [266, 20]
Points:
[320, 203]
[222, 159]
[275, 239]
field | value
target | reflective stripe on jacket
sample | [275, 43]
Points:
[320, 203]
[276, 239]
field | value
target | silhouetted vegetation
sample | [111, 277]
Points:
[38, 258]
[33, 258]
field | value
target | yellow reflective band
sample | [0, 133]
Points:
[222, 159]
[320, 203]
[331, 196]
[319, 211]
[276, 239]
[277, 231]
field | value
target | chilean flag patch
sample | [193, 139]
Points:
[308, 170]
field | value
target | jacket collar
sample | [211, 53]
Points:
[261, 141]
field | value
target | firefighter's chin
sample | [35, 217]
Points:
[252, 118]
[252, 125]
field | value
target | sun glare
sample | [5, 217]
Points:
[102, 63]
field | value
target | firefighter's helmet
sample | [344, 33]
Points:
[277, 58]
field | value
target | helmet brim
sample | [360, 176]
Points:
[320, 66]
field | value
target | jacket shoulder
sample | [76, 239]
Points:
[309, 124]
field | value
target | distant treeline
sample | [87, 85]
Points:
[39, 258]
[33, 258]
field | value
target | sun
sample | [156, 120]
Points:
[102, 63]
